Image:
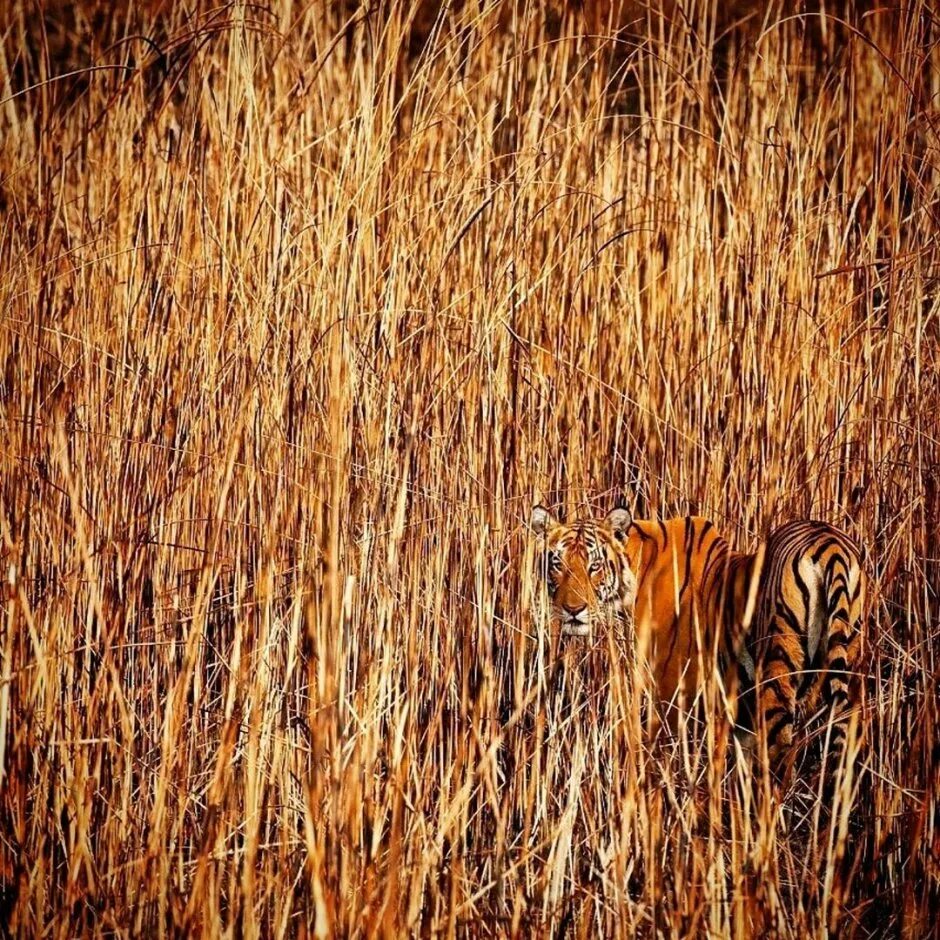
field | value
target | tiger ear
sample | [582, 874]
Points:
[619, 521]
[542, 520]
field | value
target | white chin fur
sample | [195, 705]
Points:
[576, 629]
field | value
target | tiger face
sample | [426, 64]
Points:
[586, 569]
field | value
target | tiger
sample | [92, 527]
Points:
[783, 625]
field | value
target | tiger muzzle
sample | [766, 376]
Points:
[575, 621]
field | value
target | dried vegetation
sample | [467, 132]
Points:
[302, 306]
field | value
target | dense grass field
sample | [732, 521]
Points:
[303, 306]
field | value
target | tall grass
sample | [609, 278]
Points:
[303, 306]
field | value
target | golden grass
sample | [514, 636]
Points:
[303, 307]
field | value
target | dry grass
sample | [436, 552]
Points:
[302, 308]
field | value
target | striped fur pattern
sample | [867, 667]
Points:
[781, 624]
[807, 637]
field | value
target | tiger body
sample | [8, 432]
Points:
[690, 603]
[781, 624]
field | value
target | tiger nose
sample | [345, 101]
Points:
[574, 610]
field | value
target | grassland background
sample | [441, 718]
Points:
[303, 305]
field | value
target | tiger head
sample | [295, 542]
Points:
[586, 568]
